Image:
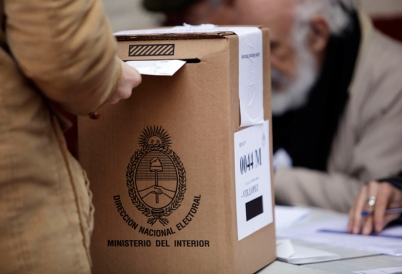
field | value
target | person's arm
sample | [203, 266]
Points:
[67, 49]
[304, 187]
[386, 196]
[374, 152]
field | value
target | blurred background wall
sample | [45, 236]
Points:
[128, 14]
[382, 8]
[386, 15]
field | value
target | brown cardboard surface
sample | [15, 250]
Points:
[194, 115]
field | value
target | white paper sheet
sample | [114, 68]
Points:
[382, 244]
[284, 248]
[158, 67]
[250, 65]
[389, 270]
[341, 227]
[295, 254]
[253, 179]
[286, 216]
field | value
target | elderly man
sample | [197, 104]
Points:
[336, 100]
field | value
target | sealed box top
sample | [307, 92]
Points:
[250, 56]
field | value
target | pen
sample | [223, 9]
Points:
[387, 211]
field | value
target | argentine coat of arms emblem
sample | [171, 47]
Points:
[156, 178]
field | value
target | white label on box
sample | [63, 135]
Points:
[250, 76]
[253, 179]
[250, 65]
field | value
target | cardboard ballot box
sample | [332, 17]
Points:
[178, 185]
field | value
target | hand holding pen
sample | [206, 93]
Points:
[376, 206]
[366, 213]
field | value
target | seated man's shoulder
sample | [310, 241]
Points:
[386, 51]
[380, 66]
[377, 84]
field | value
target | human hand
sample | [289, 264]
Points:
[130, 78]
[386, 196]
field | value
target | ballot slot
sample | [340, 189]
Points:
[187, 60]
[191, 60]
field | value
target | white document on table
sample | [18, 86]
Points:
[291, 253]
[286, 216]
[341, 227]
[253, 179]
[389, 270]
[334, 233]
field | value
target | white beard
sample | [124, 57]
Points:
[295, 92]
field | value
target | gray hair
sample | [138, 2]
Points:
[334, 11]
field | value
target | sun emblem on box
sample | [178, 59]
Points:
[156, 178]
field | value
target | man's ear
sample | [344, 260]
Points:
[319, 34]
